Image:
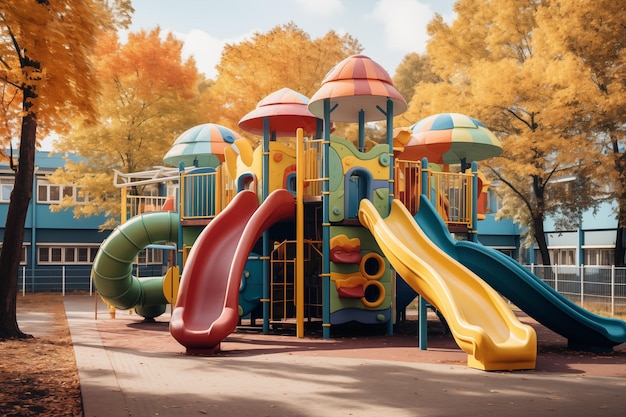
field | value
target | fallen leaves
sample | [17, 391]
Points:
[38, 376]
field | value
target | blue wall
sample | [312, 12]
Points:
[42, 226]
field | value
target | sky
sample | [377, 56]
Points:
[387, 29]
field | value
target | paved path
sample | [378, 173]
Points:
[122, 381]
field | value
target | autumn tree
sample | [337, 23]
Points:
[413, 69]
[46, 80]
[285, 56]
[494, 67]
[594, 51]
[149, 97]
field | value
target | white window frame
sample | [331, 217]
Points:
[66, 254]
[599, 254]
[150, 256]
[6, 187]
[60, 191]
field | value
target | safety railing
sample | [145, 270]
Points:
[450, 193]
[139, 204]
[408, 183]
[452, 197]
[313, 168]
[204, 195]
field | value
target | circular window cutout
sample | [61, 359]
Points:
[374, 294]
[372, 266]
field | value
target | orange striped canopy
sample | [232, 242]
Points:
[357, 84]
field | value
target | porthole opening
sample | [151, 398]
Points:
[372, 266]
[372, 292]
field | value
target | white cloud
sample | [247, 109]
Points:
[205, 49]
[322, 7]
[404, 24]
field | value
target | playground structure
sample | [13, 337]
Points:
[322, 229]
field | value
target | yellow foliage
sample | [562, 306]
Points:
[286, 56]
[149, 96]
[44, 48]
[547, 78]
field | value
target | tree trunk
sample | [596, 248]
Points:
[620, 247]
[620, 238]
[540, 238]
[14, 230]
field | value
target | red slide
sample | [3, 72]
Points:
[207, 308]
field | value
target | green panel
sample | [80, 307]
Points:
[368, 244]
[381, 201]
[190, 234]
[335, 170]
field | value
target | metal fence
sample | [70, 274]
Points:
[63, 278]
[601, 289]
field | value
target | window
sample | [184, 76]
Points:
[561, 256]
[493, 201]
[60, 254]
[22, 257]
[53, 194]
[150, 256]
[510, 252]
[6, 186]
[598, 256]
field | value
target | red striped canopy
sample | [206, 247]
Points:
[357, 84]
[286, 111]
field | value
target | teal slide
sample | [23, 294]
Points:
[113, 266]
[582, 329]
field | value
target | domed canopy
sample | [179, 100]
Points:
[357, 83]
[451, 138]
[202, 146]
[286, 111]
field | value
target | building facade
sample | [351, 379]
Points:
[592, 244]
[58, 249]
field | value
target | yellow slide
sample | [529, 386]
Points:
[481, 322]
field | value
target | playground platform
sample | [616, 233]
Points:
[128, 367]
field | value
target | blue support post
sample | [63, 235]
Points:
[389, 115]
[422, 318]
[361, 131]
[473, 231]
[266, 254]
[425, 180]
[326, 224]
[389, 132]
[181, 241]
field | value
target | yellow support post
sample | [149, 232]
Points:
[218, 194]
[124, 206]
[299, 233]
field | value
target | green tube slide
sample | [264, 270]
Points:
[112, 267]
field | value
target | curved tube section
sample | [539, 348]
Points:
[112, 268]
